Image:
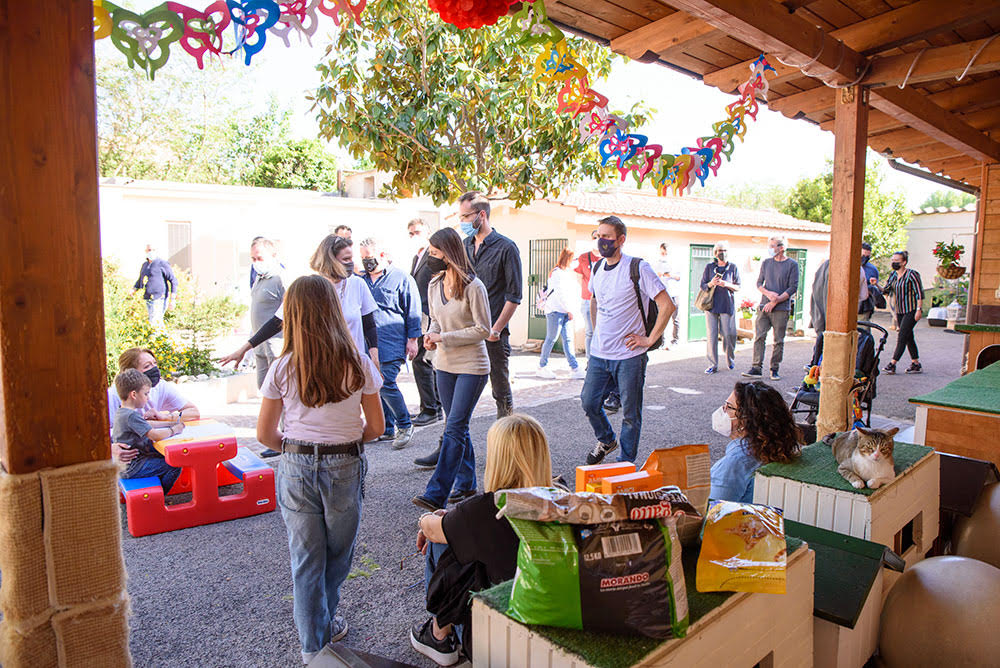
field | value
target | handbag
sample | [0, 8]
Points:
[705, 298]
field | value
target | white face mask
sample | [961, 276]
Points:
[721, 422]
[771, 252]
[263, 267]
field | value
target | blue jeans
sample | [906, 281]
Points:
[557, 324]
[154, 311]
[152, 465]
[320, 501]
[630, 375]
[393, 404]
[456, 464]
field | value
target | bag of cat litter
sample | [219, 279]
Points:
[742, 549]
[619, 576]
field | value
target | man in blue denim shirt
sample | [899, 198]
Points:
[154, 279]
[398, 323]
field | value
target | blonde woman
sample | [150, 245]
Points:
[328, 392]
[467, 547]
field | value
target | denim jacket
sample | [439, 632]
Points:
[732, 476]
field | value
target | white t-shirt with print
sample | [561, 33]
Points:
[164, 397]
[356, 301]
[618, 312]
[330, 423]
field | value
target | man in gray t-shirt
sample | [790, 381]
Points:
[266, 296]
[778, 282]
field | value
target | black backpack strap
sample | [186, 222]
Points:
[633, 271]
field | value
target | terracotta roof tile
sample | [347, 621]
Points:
[690, 209]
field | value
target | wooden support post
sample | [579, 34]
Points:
[846, 223]
[53, 406]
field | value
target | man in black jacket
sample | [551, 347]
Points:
[423, 370]
[159, 286]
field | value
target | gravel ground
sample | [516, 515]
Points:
[221, 595]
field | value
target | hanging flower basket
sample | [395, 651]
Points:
[951, 272]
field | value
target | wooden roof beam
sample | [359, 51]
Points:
[921, 114]
[659, 36]
[881, 32]
[943, 62]
[951, 164]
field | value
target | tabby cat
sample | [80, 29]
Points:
[864, 456]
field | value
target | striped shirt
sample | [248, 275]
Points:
[906, 291]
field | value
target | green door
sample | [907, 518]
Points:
[700, 256]
[543, 254]
[799, 255]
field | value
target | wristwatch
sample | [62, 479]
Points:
[494, 334]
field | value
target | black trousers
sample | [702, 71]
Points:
[423, 375]
[904, 338]
[499, 352]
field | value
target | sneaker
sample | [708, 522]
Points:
[711, 370]
[774, 375]
[422, 501]
[545, 372]
[612, 404]
[890, 368]
[429, 461]
[338, 629]
[578, 373]
[731, 366]
[461, 495]
[387, 436]
[424, 419]
[442, 652]
[402, 439]
[754, 372]
[268, 452]
[915, 368]
[601, 451]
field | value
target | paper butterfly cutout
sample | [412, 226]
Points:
[202, 29]
[102, 19]
[251, 27]
[333, 8]
[577, 97]
[145, 39]
[298, 16]
[558, 64]
[530, 26]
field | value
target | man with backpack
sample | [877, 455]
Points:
[630, 308]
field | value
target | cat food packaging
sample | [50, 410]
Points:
[548, 504]
[591, 475]
[742, 549]
[619, 576]
[689, 468]
[640, 481]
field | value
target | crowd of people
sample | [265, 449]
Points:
[329, 348]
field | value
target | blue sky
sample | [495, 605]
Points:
[776, 150]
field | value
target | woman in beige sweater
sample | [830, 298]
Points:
[460, 324]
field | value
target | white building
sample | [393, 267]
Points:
[931, 225]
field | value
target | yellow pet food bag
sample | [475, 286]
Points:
[742, 549]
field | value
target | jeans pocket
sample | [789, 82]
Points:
[291, 488]
[342, 483]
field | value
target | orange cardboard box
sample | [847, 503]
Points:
[689, 467]
[594, 473]
[640, 481]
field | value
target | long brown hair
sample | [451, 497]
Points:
[459, 268]
[766, 422]
[326, 362]
[324, 260]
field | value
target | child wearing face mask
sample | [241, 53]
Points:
[761, 430]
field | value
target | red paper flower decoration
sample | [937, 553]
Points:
[470, 13]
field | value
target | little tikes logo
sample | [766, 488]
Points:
[662, 509]
[624, 581]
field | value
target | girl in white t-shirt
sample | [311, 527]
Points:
[334, 260]
[323, 385]
[563, 289]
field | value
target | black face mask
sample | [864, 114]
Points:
[864, 259]
[436, 264]
[153, 373]
[606, 247]
[349, 266]
[897, 265]
[369, 264]
[721, 256]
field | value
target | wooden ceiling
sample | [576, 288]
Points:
[947, 126]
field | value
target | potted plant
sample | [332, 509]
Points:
[747, 308]
[948, 256]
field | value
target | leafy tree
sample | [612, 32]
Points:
[302, 163]
[759, 196]
[947, 198]
[449, 110]
[885, 212]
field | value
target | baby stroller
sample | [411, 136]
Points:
[805, 406]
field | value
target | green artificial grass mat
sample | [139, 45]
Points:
[977, 328]
[976, 391]
[817, 466]
[605, 650]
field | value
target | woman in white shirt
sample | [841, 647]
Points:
[562, 291]
[334, 260]
[323, 385]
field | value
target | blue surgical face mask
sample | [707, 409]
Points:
[468, 229]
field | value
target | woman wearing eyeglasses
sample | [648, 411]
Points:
[762, 430]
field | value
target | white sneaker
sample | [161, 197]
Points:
[545, 372]
[578, 373]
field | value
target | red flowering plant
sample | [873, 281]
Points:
[948, 254]
[747, 307]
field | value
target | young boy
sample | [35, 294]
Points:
[131, 429]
